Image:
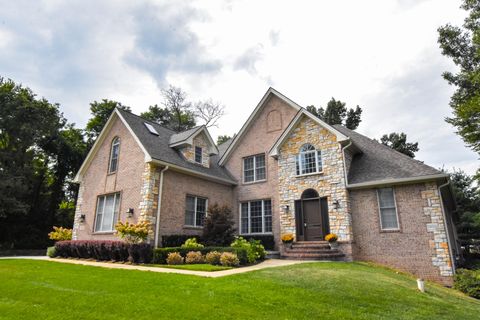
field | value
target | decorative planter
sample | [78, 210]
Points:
[333, 245]
[288, 245]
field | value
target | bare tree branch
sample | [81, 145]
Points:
[209, 112]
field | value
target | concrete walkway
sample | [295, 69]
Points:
[269, 263]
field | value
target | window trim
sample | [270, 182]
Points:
[118, 195]
[195, 155]
[380, 210]
[299, 161]
[249, 222]
[254, 168]
[185, 225]
[115, 142]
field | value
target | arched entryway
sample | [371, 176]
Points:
[311, 216]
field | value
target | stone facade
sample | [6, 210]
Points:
[433, 209]
[201, 141]
[150, 189]
[329, 183]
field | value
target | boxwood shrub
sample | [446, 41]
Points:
[268, 241]
[176, 240]
[160, 254]
[104, 250]
[468, 281]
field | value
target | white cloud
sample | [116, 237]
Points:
[379, 54]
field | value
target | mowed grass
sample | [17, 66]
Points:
[32, 289]
[194, 267]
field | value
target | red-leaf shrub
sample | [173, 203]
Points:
[104, 250]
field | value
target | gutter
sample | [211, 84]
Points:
[445, 224]
[159, 207]
[396, 181]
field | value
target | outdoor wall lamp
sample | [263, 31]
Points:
[336, 204]
[286, 208]
[130, 212]
[82, 218]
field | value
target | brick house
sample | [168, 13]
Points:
[286, 171]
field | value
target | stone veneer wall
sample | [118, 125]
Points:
[439, 244]
[149, 193]
[330, 183]
[189, 151]
[77, 224]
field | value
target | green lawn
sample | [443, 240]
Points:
[196, 267]
[50, 290]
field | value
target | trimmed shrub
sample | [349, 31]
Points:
[255, 251]
[174, 258]
[51, 252]
[229, 259]
[160, 254]
[218, 228]
[468, 281]
[176, 240]
[194, 257]
[60, 234]
[268, 241]
[213, 257]
[192, 244]
[105, 250]
[133, 232]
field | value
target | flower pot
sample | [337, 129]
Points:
[288, 245]
[333, 245]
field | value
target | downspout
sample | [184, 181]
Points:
[159, 207]
[445, 224]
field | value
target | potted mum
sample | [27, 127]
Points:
[332, 240]
[287, 240]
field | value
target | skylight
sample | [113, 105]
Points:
[151, 128]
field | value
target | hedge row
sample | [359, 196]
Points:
[176, 240]
[160, 254]
[468, 281]
[105, 250]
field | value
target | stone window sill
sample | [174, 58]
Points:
[255, 182]
[193, 227]
[390, 231]
[309, 174]
[103, 232]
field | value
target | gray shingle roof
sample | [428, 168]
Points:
[378, 162]
[159, 149]
[184, 135]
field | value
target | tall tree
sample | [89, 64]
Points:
[209, 112]
[336, 112]
[398, 141]
[39, 152]
[222, 139]
[462, 45]
[100, 111]
[180, 110]
[157, 114]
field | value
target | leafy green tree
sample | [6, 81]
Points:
[462, 45]
[157, 114]
[222, 139]
[100, 111]
[398, 141]
[39, 152]
[337, 113]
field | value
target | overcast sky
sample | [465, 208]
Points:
[382, 55]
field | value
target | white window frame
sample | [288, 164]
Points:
[254, 168]
[299, 161]
[115, 142]
[195, 154]
[380, 210]
[194, 225]
[249, 217]
[117, 197]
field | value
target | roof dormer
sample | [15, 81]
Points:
[196, 145]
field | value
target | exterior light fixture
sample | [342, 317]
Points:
[336, 204]
[286, 208]
[82, 218]
[130, 212]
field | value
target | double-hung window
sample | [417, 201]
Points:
[114, 152]
[254, 168]
[107, 212]
[256, 217]
[195, 211]
[198, 155]
[388, 209]
[309, 160]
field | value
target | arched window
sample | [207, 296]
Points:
[309, 194]
[114, 152]
[309, 160]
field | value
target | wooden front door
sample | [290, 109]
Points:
[312, 219]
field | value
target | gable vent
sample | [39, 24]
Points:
[151, 128]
